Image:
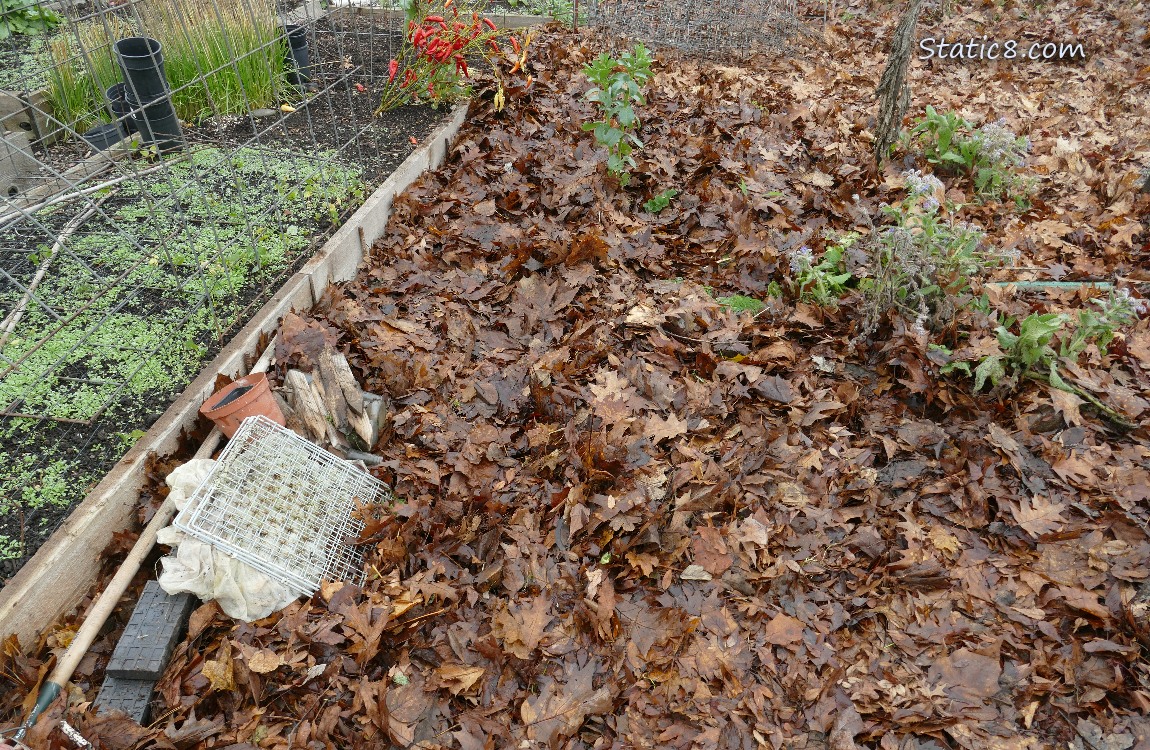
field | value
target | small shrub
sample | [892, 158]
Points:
[617, 90]
[988, 156]
[432, 64]
[660, 201]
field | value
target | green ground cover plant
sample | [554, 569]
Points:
[27, 68]
[660, 201]
[188, 256]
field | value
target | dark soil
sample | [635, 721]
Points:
[350, 57]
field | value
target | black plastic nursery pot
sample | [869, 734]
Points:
[142, 61]
[103, 137]
[298, 56]
[118, 106]
[157, 122]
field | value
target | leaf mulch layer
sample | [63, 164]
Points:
[633, 517]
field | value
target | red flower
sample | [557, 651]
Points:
[495, 47]
[433, 19]
[515, 45]
[431, 88]
[392, 68]
[461, 65]
[489, 23]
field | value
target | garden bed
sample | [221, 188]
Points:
[691, 520]
[695, 514]
[290, 177]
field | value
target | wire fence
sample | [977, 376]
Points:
[714, 29]
[164, 166]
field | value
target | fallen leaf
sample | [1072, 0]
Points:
[695, 572]
[459, 678]
[265, 661]
[561, 707]
[1039, 516]
[783, 630]
[521, 626]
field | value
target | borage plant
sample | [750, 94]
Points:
[989, 155]
[921, 266]
[433, 64]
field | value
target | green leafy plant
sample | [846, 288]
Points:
[1098, 327]
[1024, 353]
[26, 17]
[825, 282]
[988, 155]
[660, 201]
[1030, 353]
[618, 89]
[921, 265]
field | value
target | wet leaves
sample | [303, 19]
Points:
[637, 517]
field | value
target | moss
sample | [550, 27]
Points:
[27, 69]
[193, 245]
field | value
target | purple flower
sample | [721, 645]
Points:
[801, 259]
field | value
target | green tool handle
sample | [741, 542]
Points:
[48, 692]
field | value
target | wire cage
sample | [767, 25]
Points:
[710, 28]
[284, 506]
[144, 220]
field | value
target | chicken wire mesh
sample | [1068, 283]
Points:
[708, 28]
[133, 244]
[284, 506]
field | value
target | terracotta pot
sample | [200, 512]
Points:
[227, 408]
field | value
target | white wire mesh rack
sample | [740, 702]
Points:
[284, 506]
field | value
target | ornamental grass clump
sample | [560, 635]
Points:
[228, 60]
[432, 66]
[83, 66]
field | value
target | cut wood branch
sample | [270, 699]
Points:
[13, 318]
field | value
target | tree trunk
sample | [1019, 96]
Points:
[893, 93]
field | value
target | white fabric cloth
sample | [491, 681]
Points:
[198, 568]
